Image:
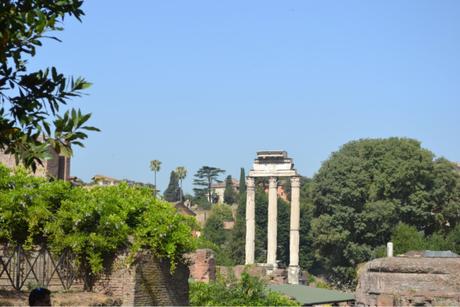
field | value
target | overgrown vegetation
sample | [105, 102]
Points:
[92, 223]
[248, 291]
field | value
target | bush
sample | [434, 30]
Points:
[248, 291]
[406, 238]
[92, 223]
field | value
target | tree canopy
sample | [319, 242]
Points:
[173, 191]
[31, 102]
[230, 195]
[204, 178]
[367, 187]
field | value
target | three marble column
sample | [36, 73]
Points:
[293, 272]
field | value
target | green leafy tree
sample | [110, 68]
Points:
[236, 246]
[31, 117]
[230, 195]
[181, 173]
[248, 291]
[155, 166]
[407, 238]
[453, 239]
[213, 229]
[173, 191]
[307, 259]
[204, 178]
[28, 203]
[366, 188]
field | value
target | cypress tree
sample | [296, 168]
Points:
[172, 192]
[230, 196]
[242, 188]
[238, 237]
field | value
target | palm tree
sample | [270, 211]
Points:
[155, 167]
[181, 173]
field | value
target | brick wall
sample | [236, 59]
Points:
[202, 265]
[147, 282]
[57, 167]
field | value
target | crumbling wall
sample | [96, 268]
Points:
[409, 281]
[202, 265]
[148, 281]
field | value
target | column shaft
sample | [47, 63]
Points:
[293, 276]
[250, 221]
[272, 222]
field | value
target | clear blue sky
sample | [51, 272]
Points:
[195, 83]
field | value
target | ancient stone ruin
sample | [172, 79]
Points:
[273, 164]
[417, 279]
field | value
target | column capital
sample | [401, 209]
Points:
[295, 182]
[250, 182]
[272, 182]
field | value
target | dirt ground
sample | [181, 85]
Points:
[13, 298]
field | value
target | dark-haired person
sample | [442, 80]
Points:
[40, 297]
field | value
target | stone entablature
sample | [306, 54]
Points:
[272, 164]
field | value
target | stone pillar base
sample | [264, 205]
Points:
[293, 275]
[269, 267]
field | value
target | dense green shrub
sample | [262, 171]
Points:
[248, 291]
[93, 223]
[213, 229]
[407, 238]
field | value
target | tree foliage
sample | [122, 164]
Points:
[172, 192]
[248, 291]
[407, 238]
[92, 223]
[204, 178]
[236, 246]
[366, 188]
[181, 173]
[31, 102]
[155, 166]
[230, 195]
[213, 229]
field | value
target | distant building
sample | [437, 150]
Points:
[218, 189]
[280, 192]
[56, 166]
[103, 180]
[183, 209]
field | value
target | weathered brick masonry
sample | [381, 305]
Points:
[147, 282]
[202, 265]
